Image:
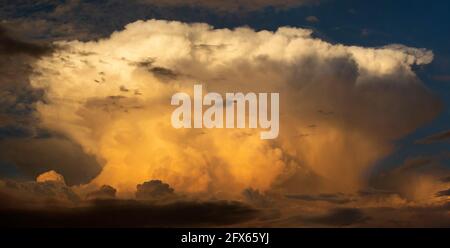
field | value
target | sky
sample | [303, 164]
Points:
[364, 113]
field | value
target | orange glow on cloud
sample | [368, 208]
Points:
[340, 107]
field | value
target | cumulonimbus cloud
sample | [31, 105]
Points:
[341, 106]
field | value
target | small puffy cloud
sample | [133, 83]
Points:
[104, 192]
[154, 189]
[50, 176]
[419, 56]
[312, 19]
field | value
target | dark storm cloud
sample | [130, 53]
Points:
[17, 96]
[332, 198]
[33, 156]
[15, 131]
[130, 213]
[23, 130]
[439, 137]
[23, 144]
[443, 193]
[19, 134]
[12, 46]
[19, 130]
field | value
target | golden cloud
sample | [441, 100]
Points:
[341, 106]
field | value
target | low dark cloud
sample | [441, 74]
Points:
[31, 195]
[336, 217]
[443, 193]
[340, 217]
[15, 131]
[409, 216]
[130, 213]
[375, 192]
[10, 45]
[51, 203]
[439, 137]
[332, 198]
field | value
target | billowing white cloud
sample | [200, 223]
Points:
[341, 106]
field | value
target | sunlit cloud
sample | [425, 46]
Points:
[341, 106]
